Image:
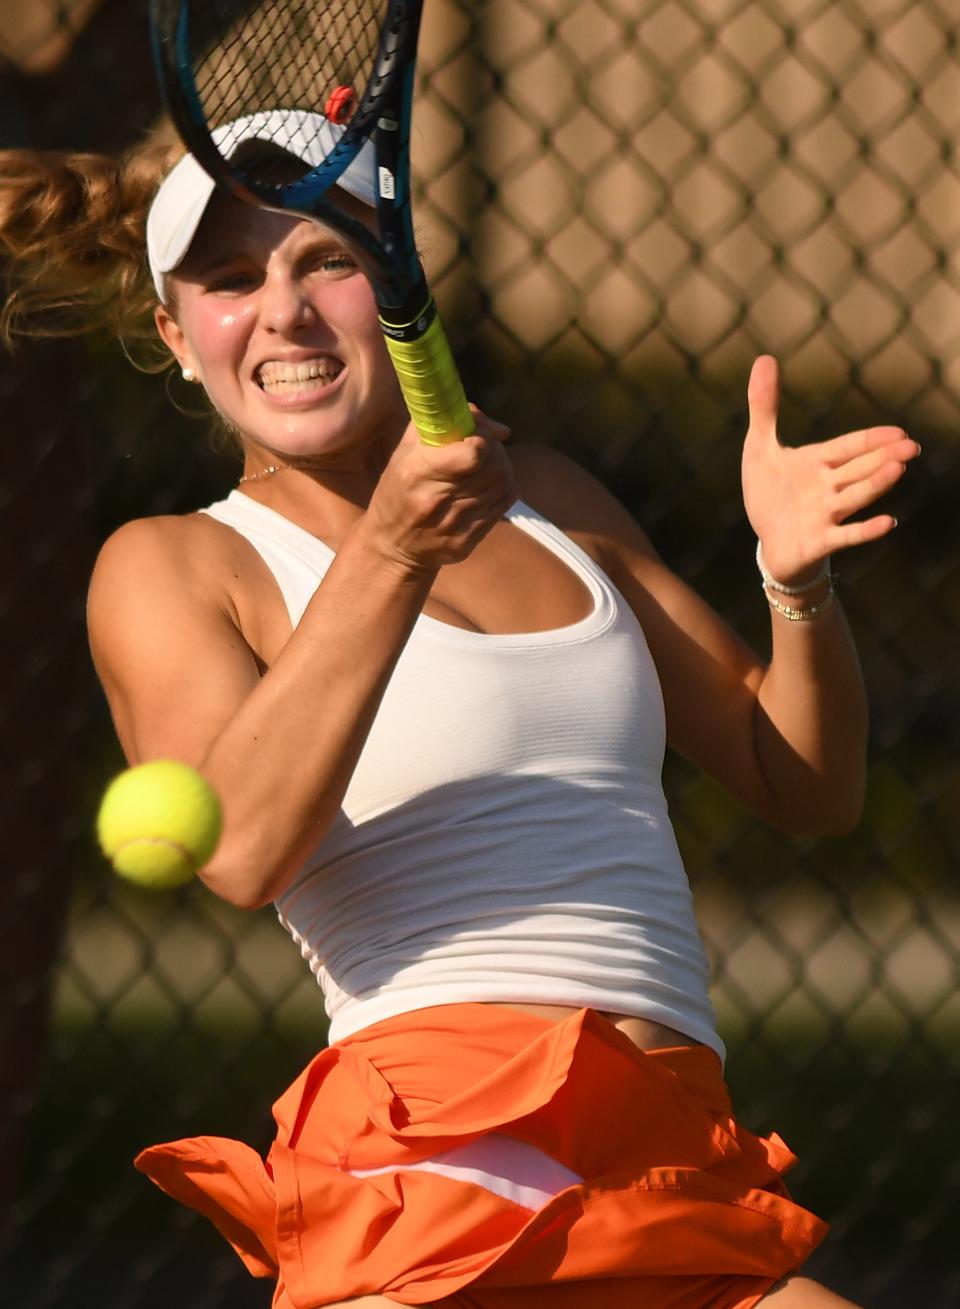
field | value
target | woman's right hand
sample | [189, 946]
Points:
[434, 504]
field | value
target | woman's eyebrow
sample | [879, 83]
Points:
[322, 240]
[217, 261]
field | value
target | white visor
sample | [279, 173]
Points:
[185, 192]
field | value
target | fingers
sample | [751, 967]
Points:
[863, 493]
[763, 398]
[469, 520]
[859, 484]
[799, 498]
[433, 504]
[842, 449]
[858, 533]
[865, 477]
[457, 458]
[489, 427]
[893, 454]
[477, 466]
[476, 463]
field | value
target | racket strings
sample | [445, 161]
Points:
[251, 58]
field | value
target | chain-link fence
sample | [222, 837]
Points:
[621, 204]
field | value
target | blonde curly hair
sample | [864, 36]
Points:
[73, 230]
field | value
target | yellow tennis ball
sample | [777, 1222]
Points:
[159, 823]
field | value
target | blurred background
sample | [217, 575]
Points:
[621, 204]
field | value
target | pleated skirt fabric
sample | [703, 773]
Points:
[483, 1158]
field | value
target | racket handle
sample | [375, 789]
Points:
[431, 386]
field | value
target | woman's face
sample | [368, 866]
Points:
[281, 328]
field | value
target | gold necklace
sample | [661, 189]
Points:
[264, 472]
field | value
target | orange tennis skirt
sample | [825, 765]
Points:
[485, 1158]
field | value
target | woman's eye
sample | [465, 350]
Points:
[231, 283]
[336, 262]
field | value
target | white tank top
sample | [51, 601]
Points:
[505, 834]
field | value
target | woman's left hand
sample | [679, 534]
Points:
[798, 499]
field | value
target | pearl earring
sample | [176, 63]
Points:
[189, 375]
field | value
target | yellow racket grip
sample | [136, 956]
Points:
[431, 386]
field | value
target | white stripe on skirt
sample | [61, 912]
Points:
[511, 1169]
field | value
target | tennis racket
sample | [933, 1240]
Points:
[349, 63]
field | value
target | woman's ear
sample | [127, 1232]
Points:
[173, 338]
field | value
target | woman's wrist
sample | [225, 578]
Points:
[800, 601]
[391, 560]
[804, 609]
[797, 586]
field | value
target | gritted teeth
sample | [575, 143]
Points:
[275, 374]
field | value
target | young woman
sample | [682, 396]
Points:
[432, 688]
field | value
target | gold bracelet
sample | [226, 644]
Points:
[799, 615]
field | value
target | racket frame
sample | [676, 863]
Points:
[414, 335]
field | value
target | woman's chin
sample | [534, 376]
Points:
[307, 440]
[313, 422]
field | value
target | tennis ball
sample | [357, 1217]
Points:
[159, 823]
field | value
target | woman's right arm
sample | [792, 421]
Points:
[280, 748]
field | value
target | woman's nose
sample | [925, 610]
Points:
[285, 305]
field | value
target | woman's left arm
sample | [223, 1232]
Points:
[810, 720]
[786, 738]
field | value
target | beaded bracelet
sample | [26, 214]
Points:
[770, 581]
[800, 615]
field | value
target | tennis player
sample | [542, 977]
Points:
[433, 688]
